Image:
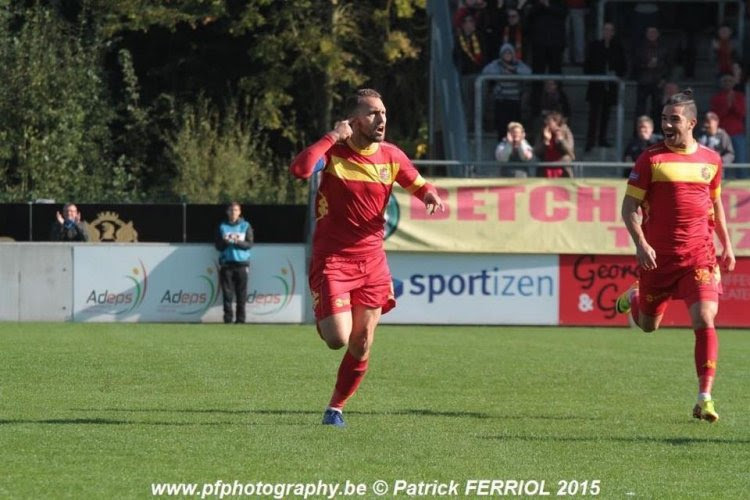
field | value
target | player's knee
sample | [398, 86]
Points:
[360, 348]
[703, 321]
[334, 344]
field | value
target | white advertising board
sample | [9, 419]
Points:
[474, 289]
[180, 283]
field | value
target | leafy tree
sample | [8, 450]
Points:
[54, 115]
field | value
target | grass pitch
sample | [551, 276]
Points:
[103, 411]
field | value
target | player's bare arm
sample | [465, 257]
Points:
[727, 253]
[644, 253]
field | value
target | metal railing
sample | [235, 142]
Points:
[612, 169]
[479, 101]
[740, 14]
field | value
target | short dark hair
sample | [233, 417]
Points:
[684, 99]
[233, 204]
[353, 101]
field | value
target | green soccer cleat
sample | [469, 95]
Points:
[622, 305]
[704, 410]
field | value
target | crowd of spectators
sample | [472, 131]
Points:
[541, 37]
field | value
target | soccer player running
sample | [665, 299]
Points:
[677, 184]
[349, 279]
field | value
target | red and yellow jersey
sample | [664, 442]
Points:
[677, 189]
[354, 190]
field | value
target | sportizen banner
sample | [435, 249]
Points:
[534, 216]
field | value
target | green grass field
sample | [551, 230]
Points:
[103, 411]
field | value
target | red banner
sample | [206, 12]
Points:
[590, 285]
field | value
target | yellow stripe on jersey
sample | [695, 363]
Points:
[635, 192]
[383, 173]
[418, 183]
[716, 193]
[698, 173]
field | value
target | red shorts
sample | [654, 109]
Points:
[691, 284]
[337, 283]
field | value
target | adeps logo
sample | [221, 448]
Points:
[271, 301]
[125, 301]
[196, 299]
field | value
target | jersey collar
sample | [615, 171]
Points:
[369, 150]
[683, 151]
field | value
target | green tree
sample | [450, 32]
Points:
[54, 113]
[219, 156]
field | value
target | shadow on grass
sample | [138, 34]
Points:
[420, 412]
[674, 441]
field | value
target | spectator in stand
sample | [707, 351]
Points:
[512, 32]
[576, 30]
[468, 55]
[729, 105]
[644, 15]
[468, 51]
[644, 138]
[739, 77]
[68, 225]
[555, 144]
[484, 23]
[514, 149]
[604, 57]
[716, 138]
[506, 95]
[546, 25]
[725, 49]
[652, 66]
[554, 98]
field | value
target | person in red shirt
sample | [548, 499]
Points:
[349, 279]
[555, 143]
[729, 105]
[671, 208]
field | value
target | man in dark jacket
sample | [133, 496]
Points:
[652, 67]
[234, 240]
[603, 57]
[68, 226]
[716, 138]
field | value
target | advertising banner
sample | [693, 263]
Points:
[590, 285]
[180, 283]
[555, 216]
[474, 289]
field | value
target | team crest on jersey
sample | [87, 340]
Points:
[706, 173]
[385, 173]
[703, 276]
[322, 206]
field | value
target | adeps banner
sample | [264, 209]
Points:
[180, 283]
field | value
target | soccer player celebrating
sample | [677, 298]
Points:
[677, 184]
[350, 281]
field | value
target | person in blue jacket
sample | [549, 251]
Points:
[233, 240]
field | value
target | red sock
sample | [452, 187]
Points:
[706, 355]
[634, 310]
[351, 373]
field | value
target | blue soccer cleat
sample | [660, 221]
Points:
[333, 417]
